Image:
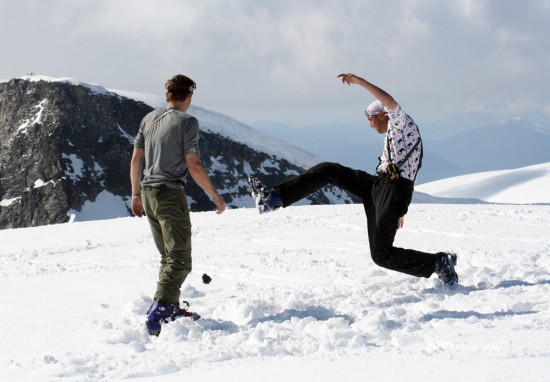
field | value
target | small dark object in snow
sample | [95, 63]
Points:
[206, 279]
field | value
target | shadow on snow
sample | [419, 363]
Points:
[318, 312]
[444, 314]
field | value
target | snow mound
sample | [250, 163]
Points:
[526, 185]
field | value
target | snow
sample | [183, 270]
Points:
[9, 201]
[40, 183]
[237, 131]
[217, 165]
[125, 135]
[76, 166]
[526, 185]
[22, 129]
[105, 206]
[294, 296]
[67, 80]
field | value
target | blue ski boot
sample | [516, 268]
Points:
[267, 199]
[157, 313]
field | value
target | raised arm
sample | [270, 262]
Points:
[378, 93]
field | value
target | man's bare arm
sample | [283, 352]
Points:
[378, 93]
[135, 175]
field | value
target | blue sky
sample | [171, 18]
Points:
[278, 60]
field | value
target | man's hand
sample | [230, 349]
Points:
[220, 203]
[400, 222]
[199, 175]
[349, 78]
[378, 93]
[137, 207]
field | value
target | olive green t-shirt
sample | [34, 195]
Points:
[167, 136]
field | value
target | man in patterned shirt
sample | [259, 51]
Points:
[386, 196]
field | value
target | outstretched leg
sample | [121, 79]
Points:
[355, 182]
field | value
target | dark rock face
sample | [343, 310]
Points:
[62, 145]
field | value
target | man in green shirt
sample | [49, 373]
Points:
[167, 146]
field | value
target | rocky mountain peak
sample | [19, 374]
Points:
[65, 145]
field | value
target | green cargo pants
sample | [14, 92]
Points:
[168, 214]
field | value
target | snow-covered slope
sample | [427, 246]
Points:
[210, 121]
[527, 185]
[226, 126]
[294, 297]
[67, 80]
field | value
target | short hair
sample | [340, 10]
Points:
[375, 108]
[179, 87]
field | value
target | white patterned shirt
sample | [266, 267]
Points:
[400, 139]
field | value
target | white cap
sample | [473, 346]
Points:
[375, 108]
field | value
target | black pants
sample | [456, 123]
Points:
[384, 202]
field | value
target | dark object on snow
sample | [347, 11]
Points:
[206, 279]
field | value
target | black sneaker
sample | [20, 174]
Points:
[445, 267]
[267, 199]
[157, 313]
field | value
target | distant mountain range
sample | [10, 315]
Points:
[509, 144]
[470, 143]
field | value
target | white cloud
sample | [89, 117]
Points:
[279, 60]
